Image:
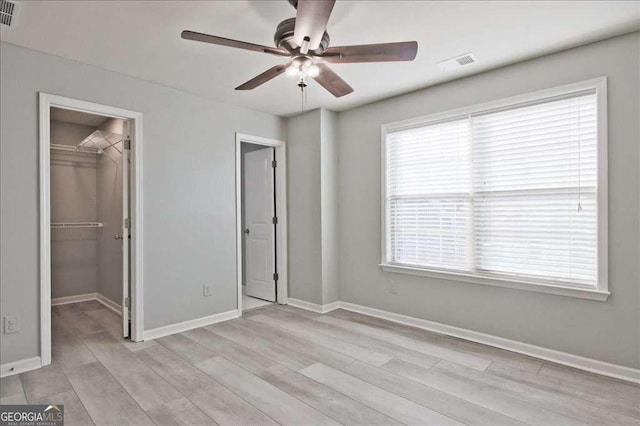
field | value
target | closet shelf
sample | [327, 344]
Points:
[76, 149]
[60, 225]
[102, 141]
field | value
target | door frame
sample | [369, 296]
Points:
[281, 212]
[46, 101]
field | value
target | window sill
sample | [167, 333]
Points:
[560, 290]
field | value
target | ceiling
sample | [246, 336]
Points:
[76, 117]
[142, 39]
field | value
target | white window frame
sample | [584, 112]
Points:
[599, 292]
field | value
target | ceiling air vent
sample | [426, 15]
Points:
[458, 61]
[7, 12]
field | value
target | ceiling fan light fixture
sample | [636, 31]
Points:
[292, 71]
[304, 39]
[313, 71]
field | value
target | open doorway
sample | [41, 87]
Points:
[261, 208]
[89, 202]
[259, 224]
[89, 235]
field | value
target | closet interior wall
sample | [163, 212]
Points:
[74, 251]
[86, 188]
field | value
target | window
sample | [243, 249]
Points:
[508, 193]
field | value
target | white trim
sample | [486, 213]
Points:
[599, 293]
[576, 361]
[602, 226]
[281, 206]
[73, 299]
[125, 254]
[136, 196]
[45, 231]
[190, 324]
[514, 283]
[109, 304]
[599, 83]
[331, 307]
[17, 367]
[559, 357]
[46, 101]
[313, 307]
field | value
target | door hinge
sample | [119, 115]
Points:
[275, 276]
[126, 223]
[127, 303]
[275, 220]
[127, 143]
[274, 164]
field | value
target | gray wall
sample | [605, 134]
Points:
[313, 212]
[329, 210]
[74, 251]
[606, 331]
[189, 202]
[113, 125]
[109, 191]
[71, 134]
[304, 218]
[188, 183]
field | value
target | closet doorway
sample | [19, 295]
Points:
[90, 220]
[261, 214]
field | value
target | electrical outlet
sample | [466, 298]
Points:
[393, 287]
[11, 324]
[206, 290]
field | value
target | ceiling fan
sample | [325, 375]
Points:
[305, 41]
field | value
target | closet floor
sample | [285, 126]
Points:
[249, 302]
[283, 365]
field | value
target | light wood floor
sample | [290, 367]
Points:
[283, 365]
[249, 302]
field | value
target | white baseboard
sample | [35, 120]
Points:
[28, 364]
[564, 358]
[331, 307]
[109, 304]
[320, 309]
[73, 299]
[576, 361]
[190, 324]
[17, 367]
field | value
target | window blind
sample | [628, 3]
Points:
[428, 182]
[509, 192]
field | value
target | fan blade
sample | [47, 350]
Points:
[206, 38]
[385, 52]
[269, 74]
[311, 21]
[332, 81]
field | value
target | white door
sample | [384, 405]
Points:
[259, 232]
[126, 225]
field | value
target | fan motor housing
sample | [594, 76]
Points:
[283, 37]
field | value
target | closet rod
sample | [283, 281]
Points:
[59, 225]
[78, 149]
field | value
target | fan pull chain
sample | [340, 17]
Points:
[302, 85]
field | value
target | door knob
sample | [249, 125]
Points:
[246, 231]
[118, 236]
